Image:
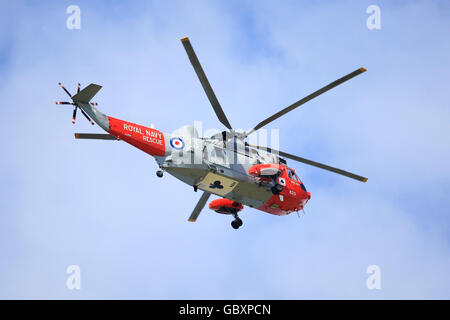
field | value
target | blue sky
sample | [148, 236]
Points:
[99, 204]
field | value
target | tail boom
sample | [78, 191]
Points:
[146, 139]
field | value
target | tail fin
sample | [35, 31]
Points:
[85, 95]
[82, 99]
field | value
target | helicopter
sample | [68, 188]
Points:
[225, 164]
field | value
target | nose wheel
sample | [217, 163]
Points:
[159, 173]
[236, 223]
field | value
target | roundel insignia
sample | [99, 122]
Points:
[177, 143]
[282, 181]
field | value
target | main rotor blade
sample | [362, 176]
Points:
[306, 99]
[200, 205]
[205, 83]
[312, 163]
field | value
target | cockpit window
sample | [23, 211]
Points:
[292, 174]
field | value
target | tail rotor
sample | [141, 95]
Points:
[74, 115]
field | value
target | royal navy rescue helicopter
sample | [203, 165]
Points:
[225, 164]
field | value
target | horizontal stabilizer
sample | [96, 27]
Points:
[97, 136]
[85, 95]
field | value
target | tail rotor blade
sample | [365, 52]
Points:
[87, 117]
[64, 102]
[60, 84]
[74, 115]
[78, 88]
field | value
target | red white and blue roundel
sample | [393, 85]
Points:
[177, 143]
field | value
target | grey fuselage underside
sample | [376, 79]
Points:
[202, 162]
[245, 191]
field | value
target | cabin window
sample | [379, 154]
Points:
[218, 155]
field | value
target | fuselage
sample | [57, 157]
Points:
[205, 162]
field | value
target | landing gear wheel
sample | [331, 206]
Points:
[236, 223]
[159, 173]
